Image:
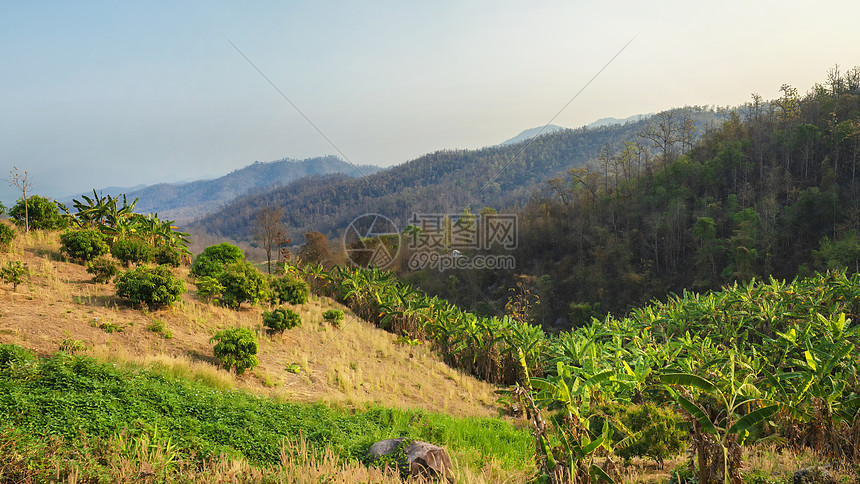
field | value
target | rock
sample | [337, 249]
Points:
[413, 458]
[813, 475]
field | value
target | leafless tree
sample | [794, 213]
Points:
[22, 182]
[268, 229]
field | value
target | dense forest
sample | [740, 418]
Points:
[442, 182]
[772, 191]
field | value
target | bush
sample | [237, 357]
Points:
[167, 255]
[83, 245]
[7, 235]
[102, 269]
[41, 212]
[13, 355]
[236, 348]
[132, 250]
[660, 438]
[155, 286]
[289, 289]
[281, 319]
[14, 273]
[242, 283]
[333, 316]
[215, 258]
[209, 288]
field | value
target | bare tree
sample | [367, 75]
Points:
[268, 230]
[21, 182]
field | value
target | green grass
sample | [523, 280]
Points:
[75, 396]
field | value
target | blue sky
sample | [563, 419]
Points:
[119, 93]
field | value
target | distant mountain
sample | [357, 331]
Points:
[184, 202]
[531, 133]
[610, 121]
[446, 181]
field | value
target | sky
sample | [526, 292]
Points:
[99, 94]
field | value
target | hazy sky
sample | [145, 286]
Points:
[94, 94]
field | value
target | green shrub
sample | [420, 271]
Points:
[132, 250]
[659, 435]
[236, 348]
[281, 319]
[167, 255]
[13, 355]
[14, 273]
[333, 316]
[103, 270]
[209, 288]
[83, 245]
[215, 258]
[242, 283]
[289, 289]
[73, 346]
[158, 326]
[154, 286]
[7, 235]
[41, 212]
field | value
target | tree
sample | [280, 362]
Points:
[236, 348]
[37, 212]
[156, 287]
[21, 182]
[267, 229]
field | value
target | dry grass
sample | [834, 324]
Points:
[354, 365]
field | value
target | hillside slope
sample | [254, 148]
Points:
[357, 365]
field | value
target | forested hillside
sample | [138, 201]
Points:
[441, 182]
[186, 201]
[773, 191]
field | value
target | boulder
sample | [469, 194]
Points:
[813, 475]
[413, 458]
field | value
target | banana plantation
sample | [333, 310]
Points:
[764, 361]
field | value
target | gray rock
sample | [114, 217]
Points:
[813, 475]
[413, 458]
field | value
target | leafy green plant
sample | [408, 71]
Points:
[167, 255]
[293, 368]
[14, 273]
[654, 432]
[103, 270]
[83, 244]
[289, 289]
[156, 287]
[72, 346]
[236, 348]
[215, 258]
[41, 212]
[242, 283]
[281, 319]
[334, 317]
[209, 288]
[132, 250]
[7, 235]
[158, 326]
[12, 355]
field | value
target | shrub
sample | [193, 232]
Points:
[659, 435]
[102, 269]
[209, 288]
[14, 273]
[132, 250]
[242, 283]
[289, 289]
[73, 346]
[215, 258]
[41, 212]
[281, 319]
[167, 255]
[154, 286]
[7, 235]
[83, 245]
[333, 316]
[236, 348]
[13, 355]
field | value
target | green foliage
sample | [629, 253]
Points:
[289, 289]
[72, 346]
[14, 273]
[281, 319]
[7, 235]
[242, 283]
[156, 287]
[167, 255]
[654, 432]
[215, 258]
[158, 326]
[236, 348]
[14, 355]
[103, 270]
[84, 244]
[42, 212]
[209, 288]
[132, 250]
[333, 316]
